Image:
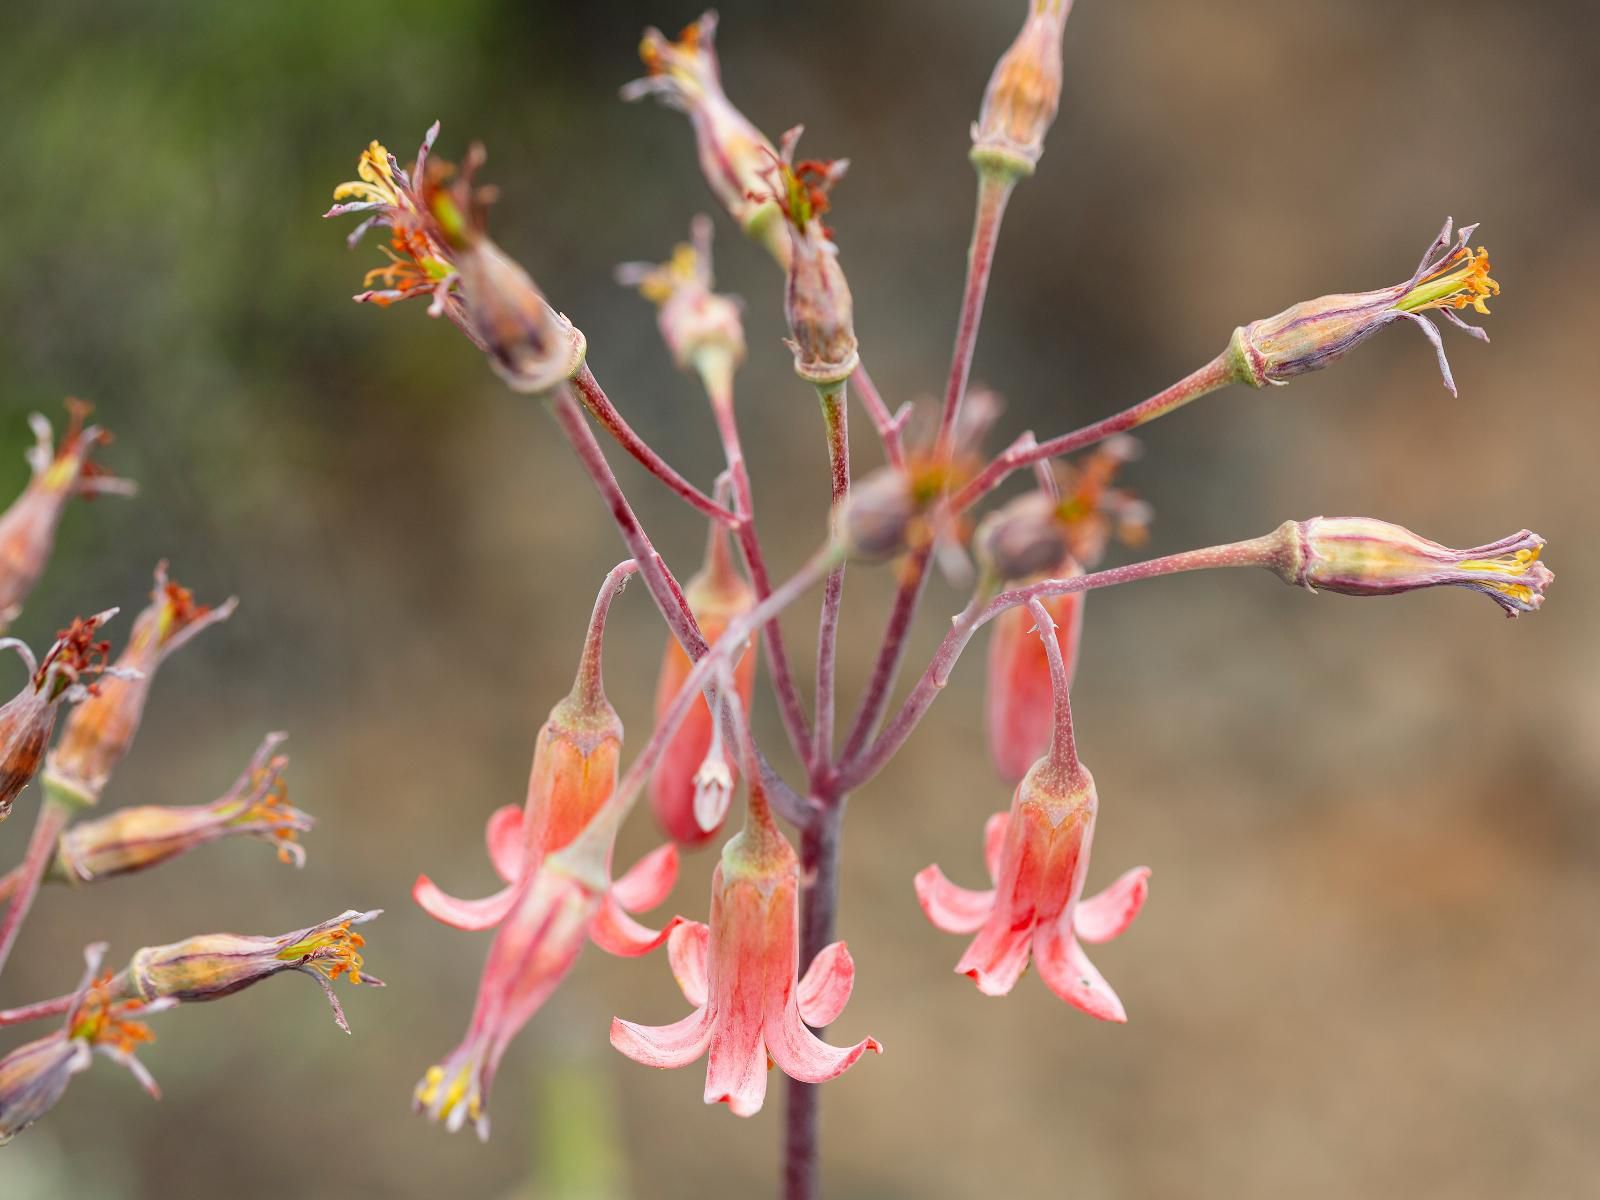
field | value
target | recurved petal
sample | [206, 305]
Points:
[615, 932]
[1108, 914]
[825, 988]
[1067, 971]
[736, 1070]
[951, 908]
[664, 1046]
[997, 958]
[801, 1054]
[687, 951]
[649, 881]
[994, 842]
[505, 839]
[470, 915]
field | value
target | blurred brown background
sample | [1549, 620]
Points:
[1371, 961]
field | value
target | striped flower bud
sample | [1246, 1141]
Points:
[1024, 92]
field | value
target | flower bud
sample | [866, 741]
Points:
[101, 729]
[215, 965]
[1024, 92]
[28, 527]
[1310, 335]
[1024, 537]
[880, 515]
[717, 596]
[136, 839]
[694, 320]
[1359, 556]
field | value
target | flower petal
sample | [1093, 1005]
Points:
[736, 1068]
[648, 882]
[997, 957]
[463, 914]
[663, 1046]
[687, 949]
[951, 908]
[615, 932]
[994, 842]
[1108, 914]
[503, 834]
[1068, 973]
[825, 988]
[801, 1054]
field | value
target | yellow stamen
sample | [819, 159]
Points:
[1461, 280]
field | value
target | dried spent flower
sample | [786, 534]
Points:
[1024, 92]
[28, 527]
[1360, 556]
[695, 322]
[1310, 335]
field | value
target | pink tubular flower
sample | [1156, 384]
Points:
[733, 152]
[101, 729]
[35, 1076]
[1038, 858]
[28, 718]
[740, 974]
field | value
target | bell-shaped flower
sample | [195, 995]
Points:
[717, 596]
[1038, 858]
[101, 728]
[733, 152]
[28, 527]
[1312, 334]
[741, 972]
[35, 1076]
[27, 720]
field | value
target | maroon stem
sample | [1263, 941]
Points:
[37, 1012]
[835, 415]
[1217, 373]
[887, 426]
[53, 817]
[1253, 553]
[1063, 761]
[819, 863]
[595, 399]
[891, 652]
[994, 189]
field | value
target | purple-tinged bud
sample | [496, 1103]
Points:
[35, 1076]
[1359, 556]
[215, 965]
[101, 729]
[1024, 537]
[28, 527]
[136, 839]
[1310, 335]
[1024, 92]
[695, 322]
[895, 509]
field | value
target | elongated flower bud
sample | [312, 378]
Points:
[101, 729]
[1024, 92]
[717, 596]
[1310, 335]
[136, 839]
[1359, 556]
[215, 965]
[28, 527]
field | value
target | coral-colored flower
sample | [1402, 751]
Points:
[733, 152]
[136, 839]
[28, 718]
[1359, 556]
[741, 973]
[1024, 92]
[1313, 334]
[694, 321]
[717, 595]
[101, 729]
[214, 965]
[28, 527]
[35, 1076]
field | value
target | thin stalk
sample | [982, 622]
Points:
[598, 403]
[891, 653]
[1256, 552]
[53, 818]
[1062, 764]
[38, 1011]
[1217, 373]
[887, 425]
[836, 417]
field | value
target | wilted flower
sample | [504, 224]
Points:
[733, 152]
[1023, 93]
[215, 965]
[28, 527]
[135, 839]
[29, 717]
[1022, 538]
[35, 1076]
[740, 973]
[717, 596]
[895, 509]
[1315, 333]
[1359, 556]
[694, 320]
[101, 729]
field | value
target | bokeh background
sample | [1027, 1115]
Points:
[1371, 962]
